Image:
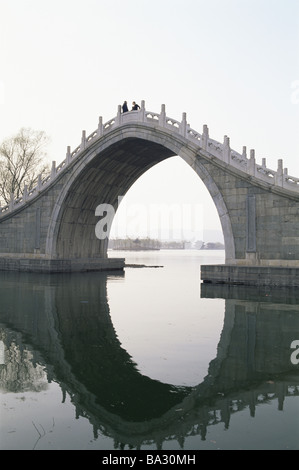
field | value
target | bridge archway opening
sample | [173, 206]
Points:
[101, 177]
[168, 203]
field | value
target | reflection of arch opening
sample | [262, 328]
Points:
[106, 172]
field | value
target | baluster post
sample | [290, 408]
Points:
[39, 183]
[285, 175]
[226, 149]
[162, 117]
[183, 125]
[279, 173]
[83, 140]
[205, 137]
[118, 117]
[142, 111]
[100, 127]
[252, 166]
[11, 201]
[53, 170]
[25, 193]
[68, 154]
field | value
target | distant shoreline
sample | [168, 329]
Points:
[166, 249]
[148, 244]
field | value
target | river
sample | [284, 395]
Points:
[147, 359]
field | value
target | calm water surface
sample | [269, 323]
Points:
[148, 359]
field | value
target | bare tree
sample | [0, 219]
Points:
[21, 161]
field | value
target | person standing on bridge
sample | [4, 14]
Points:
[135, 106]
[125, 107]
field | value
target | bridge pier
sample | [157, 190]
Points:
[44, 265]
[250, 275]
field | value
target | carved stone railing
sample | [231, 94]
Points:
[214, 149]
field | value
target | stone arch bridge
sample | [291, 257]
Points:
[51, 228]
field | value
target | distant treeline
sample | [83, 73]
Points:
[212, 246]
[139, 244]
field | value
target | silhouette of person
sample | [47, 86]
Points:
[135, 106]
[125, 107]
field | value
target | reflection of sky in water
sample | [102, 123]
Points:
[160, 319]
[42, 421]
[269, 429]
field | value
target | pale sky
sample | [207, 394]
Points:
[230, 64]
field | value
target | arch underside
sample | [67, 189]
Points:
[105, 178]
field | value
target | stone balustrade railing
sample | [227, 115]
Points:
[215, 149]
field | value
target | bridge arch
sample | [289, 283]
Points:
[106, 172]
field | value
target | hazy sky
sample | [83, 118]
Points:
[231, 64]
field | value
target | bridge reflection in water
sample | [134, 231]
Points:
[63, 324]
